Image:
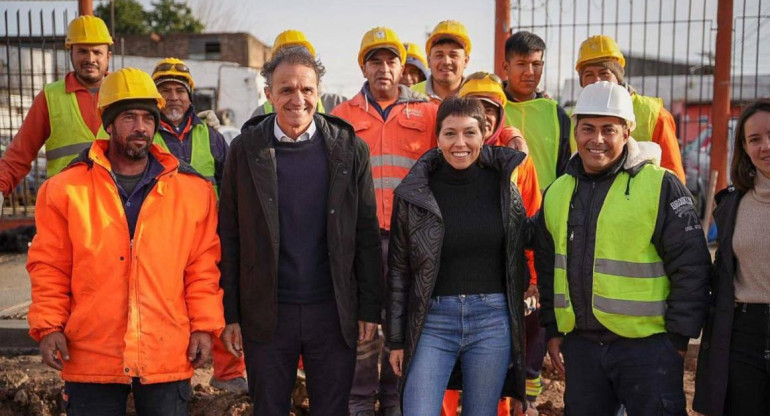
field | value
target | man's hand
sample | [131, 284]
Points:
[532, 291]
[2, 200]
[554, 351]
[50, 345]
[366, 331]
[517, 142]
[232, 339]
[200, 348]
[396, 361]
[210, 118]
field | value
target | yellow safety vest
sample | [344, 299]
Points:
[538, 120]
[69, 133]
[201, 159]
[630, 285]
[319, 107]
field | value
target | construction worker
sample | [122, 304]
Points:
[181, 132]
[295, 39]
[63, 116]
[416, 67]
[449, 50]
[544, 123]
[122, 301]
[488, 89]
[398, 125]
[622, 265]
[300, 242]
[600, 59]
[193, 141]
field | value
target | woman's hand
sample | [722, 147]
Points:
[396, 361]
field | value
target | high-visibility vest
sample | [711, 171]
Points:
[538, 120]
[70, 134]
[630, 285]
[646, 112]
[201, 159]
[319, 107]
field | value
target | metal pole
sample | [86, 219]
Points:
[720, 109]
[502, 31]
[85, 7]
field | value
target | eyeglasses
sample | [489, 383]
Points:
[483, 75]
[168, 67]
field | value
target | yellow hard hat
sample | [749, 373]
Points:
[292, 38]
[484, 85]
[173, 69]
[599, 48]
[381, 38]
[450, 29]
[128, 84]
[87, 30]
[414, 51]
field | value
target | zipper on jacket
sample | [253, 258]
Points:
[587, 295]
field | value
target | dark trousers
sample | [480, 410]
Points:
[748, 379]
[534, 338]
[314, 332]
[95, 399]
[644, 374]
[374, 375]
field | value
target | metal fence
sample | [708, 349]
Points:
[669, 49]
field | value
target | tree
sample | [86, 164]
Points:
[130, 17]
[171, 16]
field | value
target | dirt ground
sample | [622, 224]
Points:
[28, 387]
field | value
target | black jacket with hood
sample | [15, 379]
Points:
[250, 232]
[678, 238]
[417, 232]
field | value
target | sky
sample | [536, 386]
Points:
[685, 31]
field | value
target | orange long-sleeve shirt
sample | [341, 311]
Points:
[17, 159]
[665, 136]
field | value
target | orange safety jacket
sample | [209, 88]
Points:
[395, 144]
[126, 306]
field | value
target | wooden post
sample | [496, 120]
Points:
[720, 109]
[502, 31]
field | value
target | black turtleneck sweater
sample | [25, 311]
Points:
[473, 249]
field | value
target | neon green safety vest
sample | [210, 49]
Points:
[201, 159]
[319, 107]
[630, 285]
[421, 87]
[69, 133]
[646, 112]
[539, 122]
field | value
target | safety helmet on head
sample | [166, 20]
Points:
[292, 37]
[128, 84]
[449, 29]
[485, 86]
[604, 98]
[173, 70]
[599, 48]
[381, 38]
[87, 30]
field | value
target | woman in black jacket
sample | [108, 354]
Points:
[733, 375]
[457, 272]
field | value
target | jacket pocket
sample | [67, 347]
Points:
[361, 125]
[417, 135]
[672, 404]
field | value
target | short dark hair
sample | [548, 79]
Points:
[523, 43]
[295, 55]
[461, 106]
[742, 171]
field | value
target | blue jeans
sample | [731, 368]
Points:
[474, 328]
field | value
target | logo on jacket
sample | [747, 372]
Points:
[413, 112]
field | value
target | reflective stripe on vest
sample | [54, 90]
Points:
[319, 107]
[201, 159]
[69, 133]
[630, 285]
[646, 111]
[539, 122]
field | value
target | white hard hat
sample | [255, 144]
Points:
[604, 98]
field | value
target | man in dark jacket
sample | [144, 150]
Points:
[301, 244]
[622, 265]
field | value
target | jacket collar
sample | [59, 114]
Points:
[414, 187]
[97, 154]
